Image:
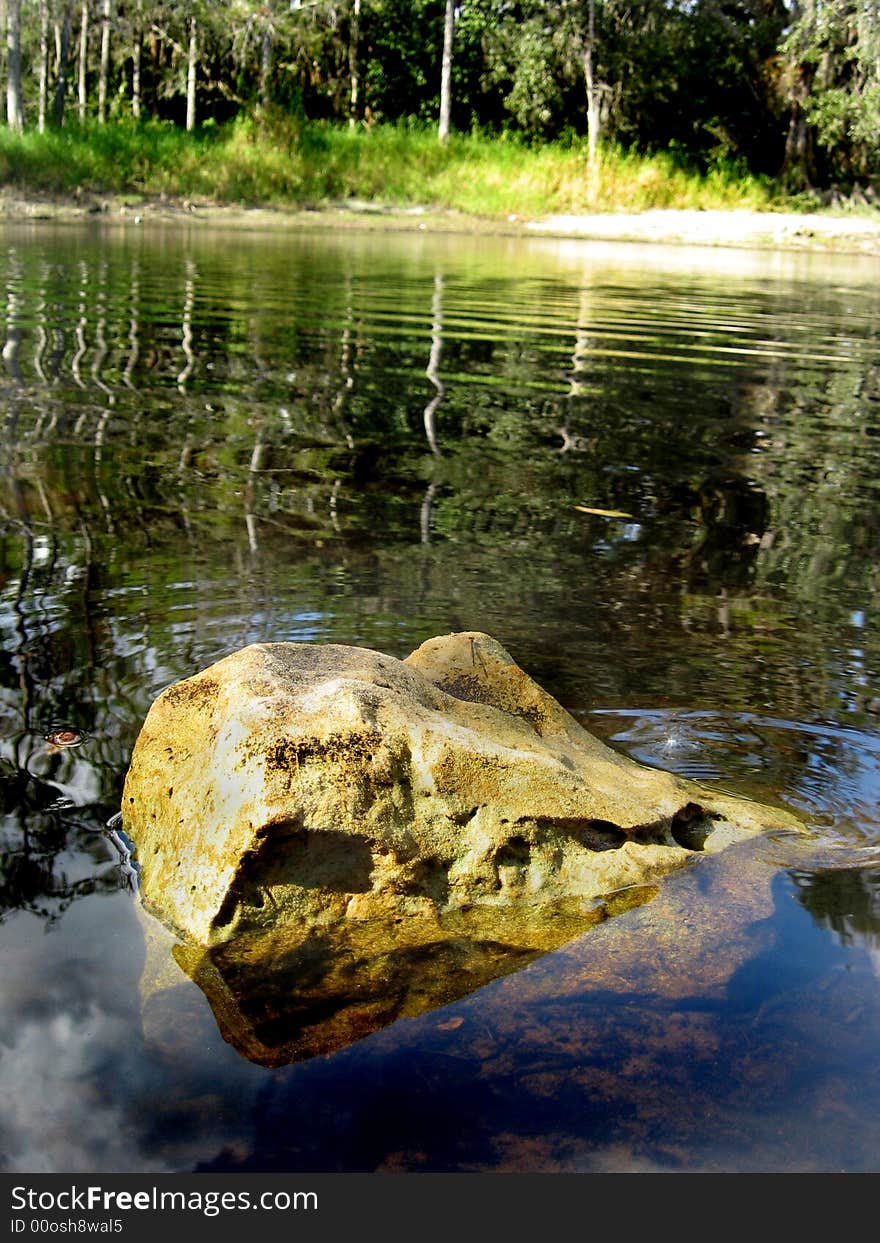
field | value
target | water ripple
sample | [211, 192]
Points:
[828, 773]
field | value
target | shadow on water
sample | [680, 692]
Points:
[655, 483]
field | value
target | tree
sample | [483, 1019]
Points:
[446, 71]
[401, 42]
[716, 69]
[594, 114]
[191, 66]
[353, 38]
[137, 40]
[796, 83]
[14, 104]
[62, 43]
[43, 71]
[82, 62]
[606, 42]
[266, 63]
[104, 72]
[771, 84]
[192, 50]
[832, 76]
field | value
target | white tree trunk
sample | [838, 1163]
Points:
[446, 72]
[593, 112]
[136, 62]
[353, 76]
[43, 74]
[14, 106]
[105, 62]
[83, 60]
[191, 76]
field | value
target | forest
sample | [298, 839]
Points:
[788, 90]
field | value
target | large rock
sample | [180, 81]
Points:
[292, 786]
[341, 839]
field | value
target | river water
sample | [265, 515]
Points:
[651, 473]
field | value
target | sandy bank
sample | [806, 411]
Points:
[736, 228]
[724, 228]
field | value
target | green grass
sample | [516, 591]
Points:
[292, 163]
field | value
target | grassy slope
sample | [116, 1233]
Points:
[295, 164]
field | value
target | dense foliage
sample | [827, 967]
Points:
[778, 87]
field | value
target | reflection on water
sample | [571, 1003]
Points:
[336, 986]
[845, 900]
[53, 848]
[207, 440]
[672, 1039]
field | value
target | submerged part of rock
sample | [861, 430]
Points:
[297, 998]
[340, 837]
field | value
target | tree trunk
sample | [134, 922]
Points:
[797, 166]
[83, 60]
[354, 37]
[136, 62]
[446, 72]
[14, 105]
[191, 76]
[104, 72]
[63, 43]
[3, 12]
[593, 108]
[265, 66]
[43, 71]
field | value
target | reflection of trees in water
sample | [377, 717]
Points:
[56, 667]
[433, 368]
[55, 800]
[197, 455]
[845, 900]
[733, 515]
[42, 858]
[240, 396]
[53, 848]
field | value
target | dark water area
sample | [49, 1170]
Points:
[651, 473]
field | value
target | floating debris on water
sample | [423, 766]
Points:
[60, 736]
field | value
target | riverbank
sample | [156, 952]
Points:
[832, 231]
[288, 173]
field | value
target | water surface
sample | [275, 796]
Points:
[211, 438]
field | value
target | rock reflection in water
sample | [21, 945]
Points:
[333, 988]
[716, 1028]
